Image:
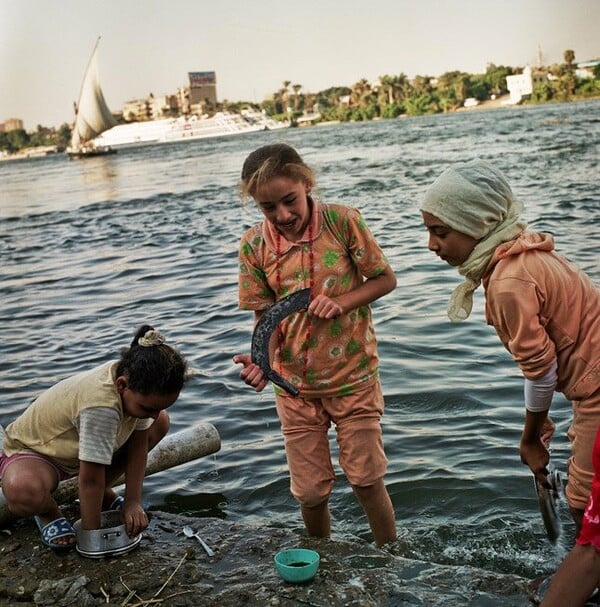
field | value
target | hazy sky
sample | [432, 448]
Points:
[254, 45]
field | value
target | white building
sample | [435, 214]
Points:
[521, 85]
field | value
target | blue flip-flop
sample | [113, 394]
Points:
[53, 530]
[117, 503]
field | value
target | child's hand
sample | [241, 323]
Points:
[324, 307]
[547, 432]
[535, 455]
[251, 373]
[135, 518]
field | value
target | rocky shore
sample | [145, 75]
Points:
[168, 569]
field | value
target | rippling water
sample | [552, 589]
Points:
[92, 249]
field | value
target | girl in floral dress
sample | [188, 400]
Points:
[329, 351]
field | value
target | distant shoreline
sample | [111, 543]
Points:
[486, 105]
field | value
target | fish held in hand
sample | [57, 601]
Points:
[264, 329]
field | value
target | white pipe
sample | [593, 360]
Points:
[175, 449]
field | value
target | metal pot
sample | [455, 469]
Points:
[110, 540]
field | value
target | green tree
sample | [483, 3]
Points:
[4, 144]
[17, 139]
[42, 136]
[569, 78]
[454, 87]
[63, 135]
[296, 88]
[330, 97]
[362, 94]
[386, 90]
[393, 111]
[569, 56]
[309, 102]
[589, 88]
[542, 93]
[479, 87]
[419, 104]
[495, 78]
[285, 95]
[421, 85]
[391, 93]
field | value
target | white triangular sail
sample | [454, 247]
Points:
[92, 114]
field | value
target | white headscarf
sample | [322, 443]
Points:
[474, 198]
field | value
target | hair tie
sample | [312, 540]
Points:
[151, 338]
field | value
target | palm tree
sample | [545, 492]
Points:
[570, 80]
[361, 93]
[569, 56]
[309, 101]
[296, 88]
[386, 90]
[403, 86]
[285, 95]
[281, 97]
[422, 85]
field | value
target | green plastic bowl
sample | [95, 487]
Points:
[297, 564]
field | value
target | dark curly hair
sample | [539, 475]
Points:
[156, 369]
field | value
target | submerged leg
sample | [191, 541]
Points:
[317, 519]
[378, 507]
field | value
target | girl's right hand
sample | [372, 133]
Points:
[537, 457]
[251, 373]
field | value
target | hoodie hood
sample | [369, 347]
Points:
[526, 241]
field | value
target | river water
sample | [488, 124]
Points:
[92, 249]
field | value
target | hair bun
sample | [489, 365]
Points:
[151, 338]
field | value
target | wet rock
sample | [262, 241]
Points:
[171, 570]
[64, 592]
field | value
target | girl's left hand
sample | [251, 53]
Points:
[135, 518]
[325, 307]
[251, 373]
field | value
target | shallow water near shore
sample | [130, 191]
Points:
[92, 249]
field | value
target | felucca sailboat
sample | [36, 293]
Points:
[92, 115]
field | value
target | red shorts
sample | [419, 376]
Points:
[590, 528]
[6, 460]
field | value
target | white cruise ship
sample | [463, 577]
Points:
[171, 130]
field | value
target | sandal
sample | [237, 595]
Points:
[117, 503]
[53, 530]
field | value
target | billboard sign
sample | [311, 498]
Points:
[202, 78]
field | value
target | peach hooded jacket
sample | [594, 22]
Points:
[544, 308]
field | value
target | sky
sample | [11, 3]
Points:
[255, 45]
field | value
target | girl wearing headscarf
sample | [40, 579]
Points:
[546, 311]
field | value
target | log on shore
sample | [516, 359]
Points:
[175, 449]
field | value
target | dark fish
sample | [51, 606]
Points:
[264, 329]
[548, 500]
